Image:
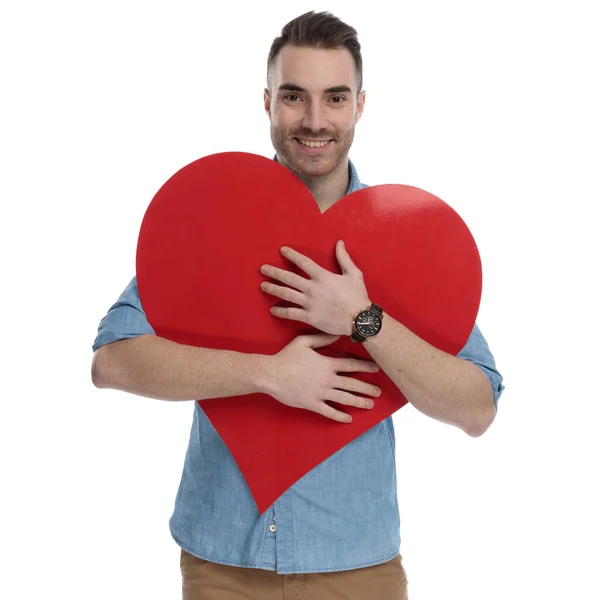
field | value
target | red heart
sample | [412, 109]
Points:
[202, 242]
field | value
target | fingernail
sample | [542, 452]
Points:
[370, 404]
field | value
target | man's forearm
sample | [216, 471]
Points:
[158, 368]
[442, 386]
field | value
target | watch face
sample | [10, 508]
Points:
[368, 323]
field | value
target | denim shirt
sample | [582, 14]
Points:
[343, 514]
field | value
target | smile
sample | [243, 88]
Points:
[314, 143]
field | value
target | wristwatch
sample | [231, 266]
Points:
[367, 323]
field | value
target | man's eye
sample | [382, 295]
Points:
[292, 97]
[337, 99]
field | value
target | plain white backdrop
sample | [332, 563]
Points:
[491, 106]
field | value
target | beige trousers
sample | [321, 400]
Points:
[204, 580]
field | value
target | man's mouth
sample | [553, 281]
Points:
[313, 143]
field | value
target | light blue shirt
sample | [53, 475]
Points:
[341, 515]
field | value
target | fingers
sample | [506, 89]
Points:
[331, 413]
[310, 267]
[285, 293]
[349, 399]
[344, 259]
[342, 398]
[287, 277]
[293, 314]
[356, 386]
[354, 365]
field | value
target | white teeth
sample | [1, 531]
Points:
[313, 144]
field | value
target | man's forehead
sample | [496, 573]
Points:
[315, 69]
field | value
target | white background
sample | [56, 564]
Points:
[491, 106]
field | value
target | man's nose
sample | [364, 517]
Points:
[314, 116]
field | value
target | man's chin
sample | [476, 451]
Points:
[310, 167]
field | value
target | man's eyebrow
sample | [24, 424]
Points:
[338, 89]
[292, 87]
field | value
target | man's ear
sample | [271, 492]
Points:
[267, 101]
[360, 106]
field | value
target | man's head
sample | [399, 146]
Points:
[314, 94]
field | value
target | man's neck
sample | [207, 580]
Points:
[328, 189]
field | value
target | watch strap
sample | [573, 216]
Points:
[356, 337]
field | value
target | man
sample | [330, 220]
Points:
[335, 533]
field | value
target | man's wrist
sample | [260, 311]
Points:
[262, 373]
[369, 324]
[358, 309]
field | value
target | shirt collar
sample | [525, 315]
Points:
[355, 183]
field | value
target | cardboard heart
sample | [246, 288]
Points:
[202, 242]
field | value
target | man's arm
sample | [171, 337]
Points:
[128, 356]
[442, 386]
[158, 368]
[462, 390]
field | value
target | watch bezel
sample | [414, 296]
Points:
[376, 315]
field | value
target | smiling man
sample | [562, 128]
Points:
[336, 532]
[314, 102]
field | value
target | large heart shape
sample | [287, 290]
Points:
[216, 221]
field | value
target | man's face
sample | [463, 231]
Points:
[313, 108]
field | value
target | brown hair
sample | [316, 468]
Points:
[318, 30]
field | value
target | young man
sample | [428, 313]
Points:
[335, 533]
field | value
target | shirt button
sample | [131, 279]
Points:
[273, 528]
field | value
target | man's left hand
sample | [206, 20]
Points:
[326, 300]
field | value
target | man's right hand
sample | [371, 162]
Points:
[298, 376]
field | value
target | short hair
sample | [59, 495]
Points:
[318, 30]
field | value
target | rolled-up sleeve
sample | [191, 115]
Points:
[477, 351]
[124, 319]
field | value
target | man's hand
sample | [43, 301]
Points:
[327, 301]
[298, 376]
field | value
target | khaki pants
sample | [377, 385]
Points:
[204, 580]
